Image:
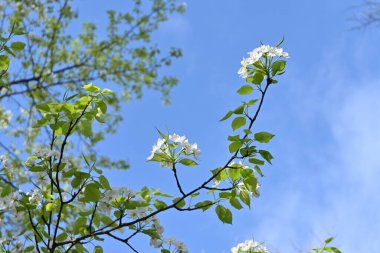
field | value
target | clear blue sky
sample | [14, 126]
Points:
[324, 112]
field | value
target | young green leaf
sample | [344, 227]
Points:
[226, 116]
[263, 137]
[245, 90]
[91, 192]
[17, 46]
[278, 66]
[234, 146]
[188, 162]
[224, 214]
[266, 155]
[238, 122]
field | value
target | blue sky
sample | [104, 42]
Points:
[324, 113]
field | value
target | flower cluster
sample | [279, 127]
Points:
[180, 246]
[105, 204]
[168, 146]
[46, 153]
[35, 198]
[249, 246]
[5, 118]
[256, 54]
[4, 160]
[8, 202]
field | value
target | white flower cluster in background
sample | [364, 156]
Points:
[5, 118]
[180, 246]
[8, 202]
[105, 204]
[4, 160]
[162, 147]
[35, 198]
[256, 54]
[46, 153]
[249, 246]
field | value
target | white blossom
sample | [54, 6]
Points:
[4, 160]
[177, 138]
[156, 148]
[138, 212]
[256, 54]
[249, 246]
[5, 118]
[155, 243]
[8, 202]
[165, 146]
[180, 246]
[47, 153]
[36, 197]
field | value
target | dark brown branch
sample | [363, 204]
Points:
[177, 180]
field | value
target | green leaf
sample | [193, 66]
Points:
[258, 170]
[204, 205]
[188, 162]
[9, 51]
[266, 155]
[159, 204]
[263, 137]
[180, 204]
[80, 223]
[62, 237]
[279, 43]
[234, 138]
[108, 91]
[252, 102]
[165, 251]
[224, 214]
[226, 116]
[91, 88]
[331, 249]
[256, 161]
[18, 32]
[234, 173]
[328, 240]
[251, 183]
[102, 106]
[4, 62]
[50, 207]
[18, 46]
[104, 182]
[238, 122]
[37, 169]
[245, 198]
[234, 146]
[98, 249]
[257, 78]
[91, 192]
[245, 89]
[278, 66]
[240, 109]
[235, 203]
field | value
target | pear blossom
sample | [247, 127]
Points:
[4, 160]
[35, 198]
[249, 246]
[138, 212]
[180, 246]
[156, 148]
[7, 202]
[177, 138]
[5, 118]
[256, 54]
[165, 146]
